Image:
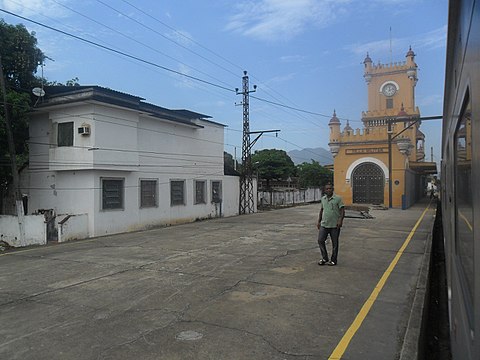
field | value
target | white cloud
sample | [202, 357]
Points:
[430, 100]
[182, 37]
[432, 40]
[280, 79]
[274, 20]
[183, 81]
[381, 48]
[292, 58]
[29, 8]
[376, 47]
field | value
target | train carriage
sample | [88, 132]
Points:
[460, 194]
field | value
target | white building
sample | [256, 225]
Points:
[105, 162]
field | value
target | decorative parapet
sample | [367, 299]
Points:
[377, 114]
[363, 135]
[398, 65]
[370, 136]
[375, 122]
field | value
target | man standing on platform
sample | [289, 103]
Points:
[330, 221]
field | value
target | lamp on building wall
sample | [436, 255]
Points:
[334, 149]
[368, 78]
[404, 145]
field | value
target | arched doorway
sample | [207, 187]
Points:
[368, 183]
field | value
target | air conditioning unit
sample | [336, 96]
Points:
[84, 130]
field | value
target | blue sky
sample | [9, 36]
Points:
[304, 54]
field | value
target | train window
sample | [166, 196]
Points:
[463, 197]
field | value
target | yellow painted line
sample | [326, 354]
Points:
[345, 341]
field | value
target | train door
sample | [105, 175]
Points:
[368, 184]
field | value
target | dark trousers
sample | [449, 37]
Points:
[322, 237]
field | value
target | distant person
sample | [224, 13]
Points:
[330, 221]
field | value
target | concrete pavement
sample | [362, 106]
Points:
[245, 287]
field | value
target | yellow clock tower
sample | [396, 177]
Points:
[383, 163]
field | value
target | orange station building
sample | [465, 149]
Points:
[388, 153]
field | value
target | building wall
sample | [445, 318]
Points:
[125, 145]
[34, 227]
[391, 73]
[353, 147]
[360, 148]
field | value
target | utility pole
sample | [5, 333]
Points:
[246, 205]
[389, 133]
[13, 156]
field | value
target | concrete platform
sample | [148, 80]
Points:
[247, 287]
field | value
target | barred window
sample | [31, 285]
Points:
[200, 192]
[112, 194]
[148, 193]
[177, 192]
[65, 134]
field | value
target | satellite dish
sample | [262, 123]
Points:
[38, 92]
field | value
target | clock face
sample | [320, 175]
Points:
[389, 90]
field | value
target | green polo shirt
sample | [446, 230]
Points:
[331, 210]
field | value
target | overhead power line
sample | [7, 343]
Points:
[189, 39]
[133, 39]
[323, 156]
[117, 51]
[136, 58]
[291, 107]
[133, 57]
[163, 36]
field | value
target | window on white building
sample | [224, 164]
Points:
[200, 192]
[177, 192]
[148, 193]
[113, 193]
[216, 191]
[65, 134]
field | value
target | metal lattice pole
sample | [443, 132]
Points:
[246, 205]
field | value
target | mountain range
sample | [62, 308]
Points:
[321, 155]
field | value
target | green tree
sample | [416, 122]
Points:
[313, 174]
[71, 82]
[273, 164]
[20, 58]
